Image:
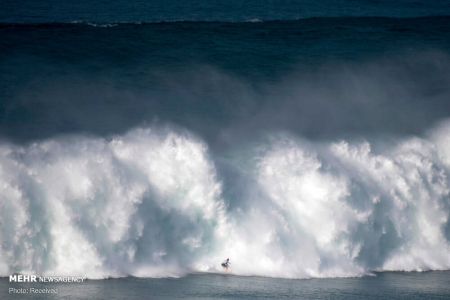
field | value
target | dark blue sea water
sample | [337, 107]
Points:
[55, 77]
[301, 139]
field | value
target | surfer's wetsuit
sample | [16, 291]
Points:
[226, 263]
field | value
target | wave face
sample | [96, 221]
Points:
[249, 79]
[154, 202]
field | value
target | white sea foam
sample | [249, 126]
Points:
[152, 203]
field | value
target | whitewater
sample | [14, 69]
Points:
[158, 202]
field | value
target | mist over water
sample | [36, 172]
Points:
[393, 96]
[226, 81]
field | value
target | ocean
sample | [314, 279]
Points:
[144, 142]
[389, 285]
[236, 77]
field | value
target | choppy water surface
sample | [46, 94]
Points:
[429, 285]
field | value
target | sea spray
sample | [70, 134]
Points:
[141, 204]
[154, 202]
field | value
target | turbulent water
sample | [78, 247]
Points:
[297, 148]
[152, 203]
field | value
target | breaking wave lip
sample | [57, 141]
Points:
[153, 203]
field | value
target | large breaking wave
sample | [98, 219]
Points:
[157, 202]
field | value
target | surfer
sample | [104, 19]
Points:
[226, 264]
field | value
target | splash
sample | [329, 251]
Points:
[154, 202]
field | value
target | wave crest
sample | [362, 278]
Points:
[153, 203]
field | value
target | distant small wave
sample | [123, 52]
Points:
[193, 21]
